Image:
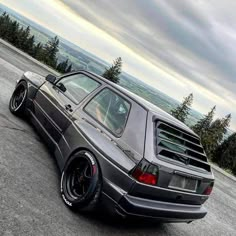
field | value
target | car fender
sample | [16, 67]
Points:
[34, 82]
[114, 163]
[99, 141]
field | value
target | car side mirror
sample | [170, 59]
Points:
[61, 87]
[51, 78]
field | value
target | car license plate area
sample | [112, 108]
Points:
[180, 182]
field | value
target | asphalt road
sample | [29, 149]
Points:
[30, 203]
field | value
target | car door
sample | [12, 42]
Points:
[55, 103]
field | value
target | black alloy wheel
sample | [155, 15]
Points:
[79, 178]
[18, 99]
[81, 182]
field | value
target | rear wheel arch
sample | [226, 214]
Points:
[81, 149]
[93, 198]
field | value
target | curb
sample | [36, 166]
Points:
[218, 169]
[29, 57]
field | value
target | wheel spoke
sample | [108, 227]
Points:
[87, 171]
[83, 189]
[80, 178]
[18, 97]
[73, 183]
[84, 169]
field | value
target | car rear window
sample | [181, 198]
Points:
[109, 109]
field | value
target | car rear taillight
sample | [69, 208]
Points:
[146, 173]
[209, 188]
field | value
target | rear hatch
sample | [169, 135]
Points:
[183, 174]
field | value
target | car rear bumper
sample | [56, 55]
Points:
[119, 201]
[133, 206]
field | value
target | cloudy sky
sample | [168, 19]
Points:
[176, 46]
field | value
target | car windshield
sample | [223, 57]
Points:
[78, 86]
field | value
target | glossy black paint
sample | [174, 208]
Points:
[67, 128]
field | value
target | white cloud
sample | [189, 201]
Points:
[177, 46]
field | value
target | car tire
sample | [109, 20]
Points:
[18, 99]
[80, 185]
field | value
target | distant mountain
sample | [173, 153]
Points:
[82, 59]
[25, 20]
[43, 35]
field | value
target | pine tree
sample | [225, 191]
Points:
[13, 31]
[69, 69]
[50, 52]
[182, 111]
[114, 71]
[62, 67]
[203, 124]
[20, 39]
[221, 129]
[59, 66]
[215, 134]
[5, 23]
[2, 19]
[38, 52]
[24, 39]
[30, 45]
[225, 154]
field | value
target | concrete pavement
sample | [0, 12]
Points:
[30, 202]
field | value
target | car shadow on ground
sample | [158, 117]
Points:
[101, 218]
[104, 219]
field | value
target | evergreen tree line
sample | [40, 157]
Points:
[212, 134]
[20, 37]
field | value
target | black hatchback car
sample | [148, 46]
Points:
[115, 148]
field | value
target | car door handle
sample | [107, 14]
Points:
[68, 108]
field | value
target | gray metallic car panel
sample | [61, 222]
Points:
[67, 131]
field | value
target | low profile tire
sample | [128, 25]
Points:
[18, 99]
[81, 182]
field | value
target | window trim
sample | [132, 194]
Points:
[77, 73]
[109, 130]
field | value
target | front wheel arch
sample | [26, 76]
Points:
[20, 109]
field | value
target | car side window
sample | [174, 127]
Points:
[109, 109]
[76, 87]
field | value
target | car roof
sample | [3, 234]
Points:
[156, 111]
